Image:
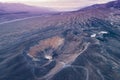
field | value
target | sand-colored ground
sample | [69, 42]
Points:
[53, 42]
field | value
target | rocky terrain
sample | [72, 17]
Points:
[80, 45]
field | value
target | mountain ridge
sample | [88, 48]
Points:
[18, 7]
[80, 45]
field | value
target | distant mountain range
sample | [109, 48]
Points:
[112, 4]
[10, 11]
[18, 7]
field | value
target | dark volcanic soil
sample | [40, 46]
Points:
[81, 45]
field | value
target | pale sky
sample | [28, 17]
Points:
[61, 5]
